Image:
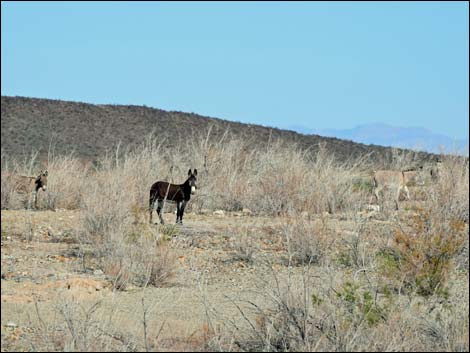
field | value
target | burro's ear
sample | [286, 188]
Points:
[189, 172]
[195, 172]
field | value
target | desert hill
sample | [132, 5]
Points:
[90, 130]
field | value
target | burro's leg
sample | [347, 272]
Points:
[376, 193]
[159, 210]
[397, 197]
[151, 206]
[178, 205]
[183, 205]
[33, 200]
[407, 192]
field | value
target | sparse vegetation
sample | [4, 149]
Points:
[92, 130]
[296, 261]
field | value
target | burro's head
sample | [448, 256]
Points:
[192, 179]
[41, 180]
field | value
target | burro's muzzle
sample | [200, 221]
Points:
[44, 188]
[193, 190]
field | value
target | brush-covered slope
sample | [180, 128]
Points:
[90, 130]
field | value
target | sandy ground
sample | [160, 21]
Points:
[41, 273]
[44, 280]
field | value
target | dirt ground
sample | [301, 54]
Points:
[41, 270]
[44, 280]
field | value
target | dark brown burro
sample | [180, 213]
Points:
[162, 191]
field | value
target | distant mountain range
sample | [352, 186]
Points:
[416, 138]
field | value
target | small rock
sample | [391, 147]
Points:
[11, 324]
[246, 212]
[130, 288]
[219, 213]
[98, 272]
[374, 208]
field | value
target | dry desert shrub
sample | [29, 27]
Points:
[403, 160]
[130, 252]
[302, 310]
[421, 257]
[306, 242]
[448, 193]
[68, 177]
[244, 246]
[9, 197]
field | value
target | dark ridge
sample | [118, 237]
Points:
[90, 130]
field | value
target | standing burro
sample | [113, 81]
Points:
[29, 185]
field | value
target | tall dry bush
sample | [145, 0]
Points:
[222, 169]
[67, 178]
[449, 192]
[275, 179]
[126, 248]
[404, 159]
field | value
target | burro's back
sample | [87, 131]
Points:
[390, 179]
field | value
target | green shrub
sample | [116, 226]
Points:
[361, 305]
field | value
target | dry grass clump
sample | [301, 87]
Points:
[68, 177]
[80, 327]
[9, 197]
[141, 263]
[306, 242]
[244, 247]
[449, 194]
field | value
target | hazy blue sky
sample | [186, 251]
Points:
[314, 64]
